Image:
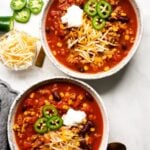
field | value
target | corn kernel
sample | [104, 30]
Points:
[54, 53]
[80, 97]
[85, 105]
[62, 26]
[123, 14]
[66, 94]
[65, 107]
[32, 95]
[25, 113]
[92, 129]
[32, 113]
[113, 14]
[84, 121]
[86, 68]
[127, 37]
[109, 56]
[106, 68]
[50, 97]
[70, 102]
[77, 143]
[59, 44]
[62, 94]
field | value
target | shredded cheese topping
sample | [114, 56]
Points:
[63, 139]
[17, 50]
[88, 43]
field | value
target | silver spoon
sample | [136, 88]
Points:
[116, 146]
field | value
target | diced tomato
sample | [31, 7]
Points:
[41, 102]
[27, 145]
[63, 6]
[54, 13]
[29, 103]
[77, 103]
[70, 1]
[33, 119]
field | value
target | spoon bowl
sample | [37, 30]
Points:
[116, 146]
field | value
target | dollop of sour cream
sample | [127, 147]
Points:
[73, 117]
[73, 17]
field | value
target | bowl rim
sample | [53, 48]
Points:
[85, 86]
[99, 75]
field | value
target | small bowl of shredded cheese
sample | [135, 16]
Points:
[18, 50]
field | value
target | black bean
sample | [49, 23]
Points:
[123, 19]
[124, 46]
[24, 108]
[88, 96]
[48, 30]
[111, 46]
[85, 146]
[56, 96]
[111, 19]
[81, 69]
[86, 128]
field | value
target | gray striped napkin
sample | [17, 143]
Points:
[7, 95]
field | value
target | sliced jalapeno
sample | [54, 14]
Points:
[98, 23]
[23, 15]
[104, 9]
[18, 4]
[40, 126]
[49, 111]
[35, 6]
[54, 123]
[90, 7]
[6, 23]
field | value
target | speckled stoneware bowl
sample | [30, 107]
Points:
[98, 75]
[17, 101]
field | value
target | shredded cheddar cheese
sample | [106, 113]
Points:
[17, 50]
[87, 42]
[63, 139]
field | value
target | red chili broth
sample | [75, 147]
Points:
[38, 101]
[62, 55]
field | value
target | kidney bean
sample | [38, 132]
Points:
[86, 128]
[85, 146]
[123, 19]
[48, 30]
[124, 46]
[88, 96]
[56, 96]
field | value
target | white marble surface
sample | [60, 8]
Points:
[126, 94]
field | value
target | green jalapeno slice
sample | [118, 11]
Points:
[18, 4]
[23, 15]
[54, 123]
[49, 111]
[104, 9]
[35, 6]
[40, 125]
[90, 7]
[98, 23]
[6, 23]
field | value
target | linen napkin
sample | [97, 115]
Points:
[7, 95]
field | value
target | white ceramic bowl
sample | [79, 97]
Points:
[17, 101]
[98, 75]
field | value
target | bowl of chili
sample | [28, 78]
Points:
[100, 45]
[40, 114]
